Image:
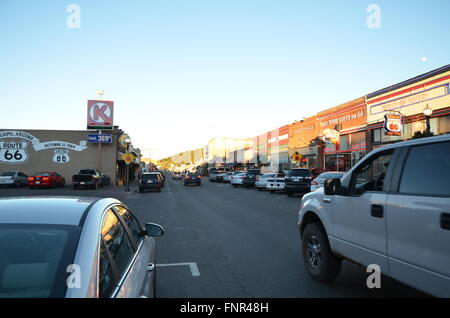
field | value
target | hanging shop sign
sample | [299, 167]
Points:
[393, 124]
[13, 151]
[331, 136]
[61, 156]
[100, 114]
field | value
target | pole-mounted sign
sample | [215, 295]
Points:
[100, 114]
[393, 124]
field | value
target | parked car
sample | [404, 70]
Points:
[13, 179]
[227, 177]
[391, 209]
[237, 179]
[261, 180]
[250, 178]
[88, 178]
[213, 175]
[163, 175]
[319, 181]
[177, 176]
[150, 181]
[46, 180]
[276, 183]
[221, 176]
[298, 180]
[39, 246]
[193, 178]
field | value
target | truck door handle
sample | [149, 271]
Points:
[150, 267]
[326, 200]
[377, 210]
[445, 221]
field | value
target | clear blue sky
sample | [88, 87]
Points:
[182, 72]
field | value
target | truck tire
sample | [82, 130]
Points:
[319, 261]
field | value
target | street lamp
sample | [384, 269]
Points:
[427, 113]
[127, 141]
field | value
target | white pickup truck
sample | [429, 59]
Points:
[392, 209]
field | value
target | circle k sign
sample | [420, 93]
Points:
[100, 114]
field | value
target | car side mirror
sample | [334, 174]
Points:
[152, 229]
[332, 186]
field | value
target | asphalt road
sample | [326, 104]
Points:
[230, 242]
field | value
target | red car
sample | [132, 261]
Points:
[46, 179]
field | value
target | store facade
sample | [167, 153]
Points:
[278, 148]
[342, 130]
[303, 143]
[411, 99]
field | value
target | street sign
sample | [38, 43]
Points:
[393, 124]
[128, 157]
[100, 138]
[100, 114]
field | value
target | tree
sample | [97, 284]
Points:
[422, 134]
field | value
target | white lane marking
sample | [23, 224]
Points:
[168, 187]
[193, 267]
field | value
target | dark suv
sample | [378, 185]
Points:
[250, 178]
[298, 180]
[193, 178]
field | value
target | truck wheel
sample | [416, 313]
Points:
[320, 262]
[75, 187]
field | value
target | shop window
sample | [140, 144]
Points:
[444, 125]
[376, 135]
[358, 140]
[407, 131]
[387, 138]
[344, 143]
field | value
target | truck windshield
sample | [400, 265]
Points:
[87, 171]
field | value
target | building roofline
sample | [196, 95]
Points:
[410, 81]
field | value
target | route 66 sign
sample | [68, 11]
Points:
[13, 151]
[61, 156]
[393, 124]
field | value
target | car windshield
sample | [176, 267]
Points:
[330, 175]
[253, 172]
[8, 174]
[150, 176]
[299, 173]
[43, 174]
[34, 259]
[87, 171]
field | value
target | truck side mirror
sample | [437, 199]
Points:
[152, 229]
[332, 186]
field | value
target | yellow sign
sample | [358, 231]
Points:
[128, 157]
[296, 157]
